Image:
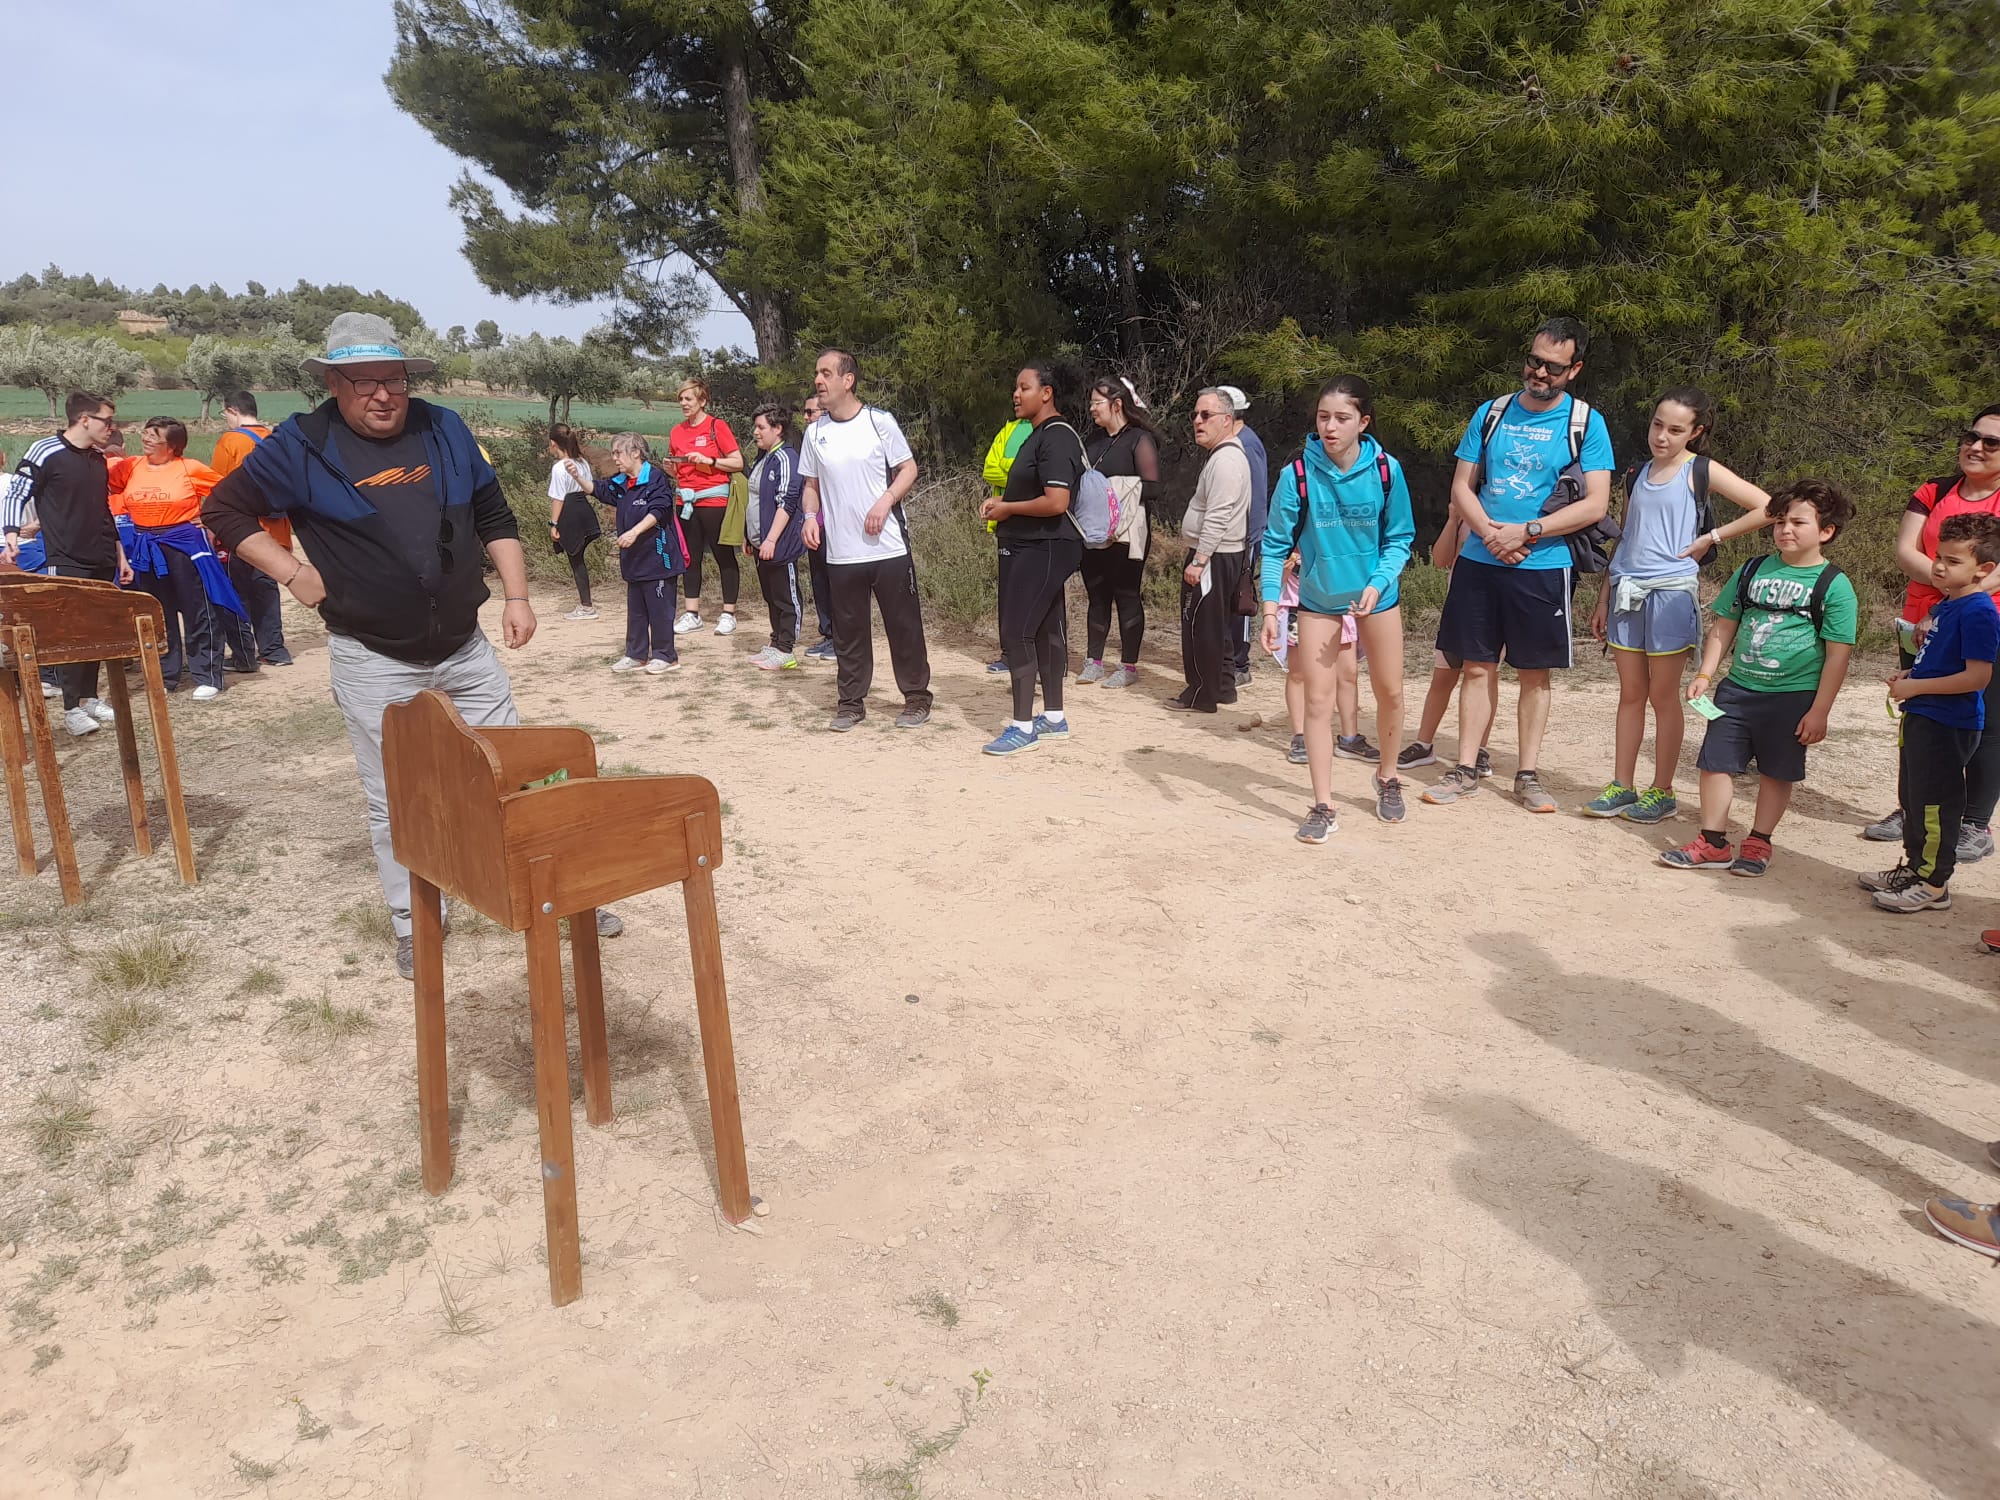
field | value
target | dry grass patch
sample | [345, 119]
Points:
[121, 1018]
[153, 958]
[319, 1019]
[370, 920]
[58, 1121]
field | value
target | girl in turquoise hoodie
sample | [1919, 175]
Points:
[1343, 508]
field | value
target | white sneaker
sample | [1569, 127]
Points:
[727, 624]
[50, 690]
[581, 612]
[207, 694]
[101, 711]
[689, 621]
[627, 664]
[658, 668]
[79, 723]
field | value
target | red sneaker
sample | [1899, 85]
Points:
[1990, 941]
[1698, 854]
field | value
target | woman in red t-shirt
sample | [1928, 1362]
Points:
[705, 454]
[1974, 490]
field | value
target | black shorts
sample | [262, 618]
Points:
[1760, 727]
[1521, 613]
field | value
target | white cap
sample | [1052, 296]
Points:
[1238, 402]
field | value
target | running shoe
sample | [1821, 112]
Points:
[1918, 895]
[1320, 821]
[1416, 753]
[79, 723]
[1753, 857]
[1093, 671]
[659, 666]
[1698, 854]
[913, 717]
[1610, 802]
[1888, 831]
[1974, 843]
[688, 623]
[1655, 805]
[1243, 678]
[997, 666]
[99, 710]
[1010, 741]
[1990, 941]
[1355, 747]
[727, 624]
[1122, 676]
[208, 692]
[609, 923]
[1296, 753]
[51, 690]
[767, 659]
[1973, 1225]
[844, 720]
[1048, 728]
[1389, 801]
[1886, 880]
[627, 664]
[1483, 763]
[1454, 786]
[582, 612]
[822, 652]
[1531, 794]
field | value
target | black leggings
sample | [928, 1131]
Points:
[579, 566]
[1034, 630]
[704, 534]
[1982, 772]
[1112, 575]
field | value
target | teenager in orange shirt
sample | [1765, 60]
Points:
[161, 493]
[259, 637]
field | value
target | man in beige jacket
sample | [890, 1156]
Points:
[1215, 529]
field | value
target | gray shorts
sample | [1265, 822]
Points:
[1667, 622]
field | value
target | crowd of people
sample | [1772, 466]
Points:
[399, 509]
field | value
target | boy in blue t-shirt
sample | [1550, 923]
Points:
[1944, 714]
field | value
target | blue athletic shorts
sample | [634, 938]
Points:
[1666, 622]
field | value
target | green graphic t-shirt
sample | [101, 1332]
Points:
[1777, 649]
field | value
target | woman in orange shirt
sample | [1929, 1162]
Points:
[705, 454]
[161, 493]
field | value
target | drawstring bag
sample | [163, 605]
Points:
[739, 505]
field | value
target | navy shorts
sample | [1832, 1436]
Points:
[1494, 610]
[1759, 727]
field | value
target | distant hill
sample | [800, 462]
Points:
[62, 302]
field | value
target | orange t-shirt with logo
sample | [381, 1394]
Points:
[156, 495]
[230, 450]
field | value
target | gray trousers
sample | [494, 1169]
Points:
[365, 683]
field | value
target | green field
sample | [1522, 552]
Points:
[19, 406]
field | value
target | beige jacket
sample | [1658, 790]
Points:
[1218, 517]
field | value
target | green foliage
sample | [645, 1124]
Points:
[66, 302]
[56, 365]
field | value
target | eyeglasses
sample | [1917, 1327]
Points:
[1987, 440]
[395, 385]
[110, 421]
[1208, 416]
[1535, 366]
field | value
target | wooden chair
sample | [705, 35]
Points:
[462, 823]
[46, 622]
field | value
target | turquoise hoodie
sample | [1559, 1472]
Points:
[1358, 537]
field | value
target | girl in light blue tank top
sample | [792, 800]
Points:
[1648, 611]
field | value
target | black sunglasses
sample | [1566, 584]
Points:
[1547, 366]
[1987, 440]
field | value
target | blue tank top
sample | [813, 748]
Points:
[1658, 525]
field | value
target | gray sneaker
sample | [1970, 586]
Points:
[1888, 831]
[844, 720]
[1531, 794]
[913, 718]
[1415, 754]
[1123, 676]
[1974, 843]
[1320, 821]
[1355, 747]
[1454, 786]
[1389, 800]
[406, 955]
[1093, 671]
[1297, 754]
[608, 923]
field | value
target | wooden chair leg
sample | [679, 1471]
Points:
[128, 756]
[545, 1003]
[433, 1089]
[163, 746]
[587, 966]
[50, 776]
[718, 1051]
[14, 758]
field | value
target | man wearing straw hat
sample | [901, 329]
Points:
[394, 503]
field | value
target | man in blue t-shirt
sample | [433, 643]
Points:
[1510, 591]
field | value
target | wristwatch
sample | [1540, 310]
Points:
[1534, 529]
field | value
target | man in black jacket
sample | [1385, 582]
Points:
[394, 504]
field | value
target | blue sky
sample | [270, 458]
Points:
[302, 85]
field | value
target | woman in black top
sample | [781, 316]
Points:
[1039, 548]
[1124, 446]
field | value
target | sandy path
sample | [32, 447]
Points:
[1478, 1157]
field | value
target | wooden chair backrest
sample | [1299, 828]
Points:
[444, 789]
[77, 619]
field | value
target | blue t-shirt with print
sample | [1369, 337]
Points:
[1962, 630]
[1529, 450]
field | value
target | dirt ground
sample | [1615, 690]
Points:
[1115, 1144]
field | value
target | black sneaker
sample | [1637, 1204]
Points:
[913, 717]
[1355, 747]
[1415, 754]
[845, 720]
[1320, 821]
[1389, 800]
[1484, 763]
[1297, 753]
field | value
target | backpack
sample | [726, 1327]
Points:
[1299, 479]
[1704, 507]
[1588, 548]
[1815, 606]
[1093, 504]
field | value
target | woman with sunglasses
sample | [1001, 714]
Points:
[1973, 490]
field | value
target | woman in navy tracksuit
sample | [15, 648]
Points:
[652, 552]
[772, 534]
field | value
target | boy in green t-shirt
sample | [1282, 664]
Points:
[1792, 621]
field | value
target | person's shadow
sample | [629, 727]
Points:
[1670, 1268]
